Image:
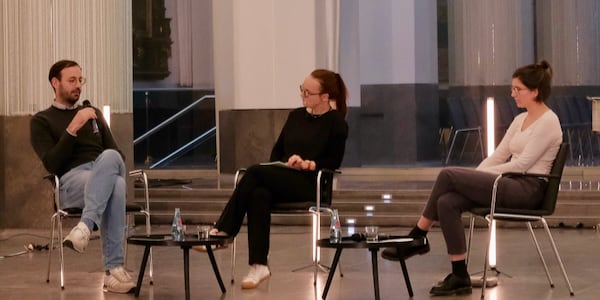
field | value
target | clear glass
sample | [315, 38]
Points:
[371, 233]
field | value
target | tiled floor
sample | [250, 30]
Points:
[24, 276]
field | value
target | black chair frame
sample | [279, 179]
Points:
[322, 204]
[525, 215]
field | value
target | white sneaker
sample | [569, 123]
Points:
[78, 238]
[117, 280]
[258, 273]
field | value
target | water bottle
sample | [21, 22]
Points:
[177, 226]
[335, 231]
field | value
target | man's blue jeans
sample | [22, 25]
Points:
[99, 188]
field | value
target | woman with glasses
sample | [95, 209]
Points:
[529, 145]
[313, 137]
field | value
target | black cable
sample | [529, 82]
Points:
[28, 248]
[23, 234]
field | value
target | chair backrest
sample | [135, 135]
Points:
[551, 195]
[326, 197]
[457, 115]
[326, 193]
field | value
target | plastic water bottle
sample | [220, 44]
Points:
[177, 226]
[335, 231]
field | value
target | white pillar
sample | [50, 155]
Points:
[263, 50]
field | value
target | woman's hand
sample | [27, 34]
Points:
[296, 162]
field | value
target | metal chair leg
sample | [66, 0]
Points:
[541, 256]
[52, 232]
[562, 266]
[61, 250]
[471, 227]
[233, 260]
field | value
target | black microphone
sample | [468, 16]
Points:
[86, 103]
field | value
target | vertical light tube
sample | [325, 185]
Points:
[492, 253]
[491, 142]
[106, 113]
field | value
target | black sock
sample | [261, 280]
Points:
[459, 268]
[417, 232]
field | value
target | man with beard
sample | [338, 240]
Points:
[90, 168]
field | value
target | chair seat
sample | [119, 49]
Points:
[132, 207]
[73, 210]
[288, 207]
[129, 207]
[484, 211]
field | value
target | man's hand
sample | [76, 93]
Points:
[82, 116]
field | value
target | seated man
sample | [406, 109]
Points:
[75, 143]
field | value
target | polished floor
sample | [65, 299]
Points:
[23, 276]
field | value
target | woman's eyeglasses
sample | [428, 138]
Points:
[306, 93]
[517, 90]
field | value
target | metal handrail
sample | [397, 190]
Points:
[171, 119]
[185, 147]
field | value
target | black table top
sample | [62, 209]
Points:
[167, 240]
[389, 241]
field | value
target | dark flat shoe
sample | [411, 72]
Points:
[452, 285]
[392, 253]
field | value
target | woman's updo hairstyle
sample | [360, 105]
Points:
[536, 76]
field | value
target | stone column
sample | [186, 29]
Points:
[263, 50]
[390, 46]
[34, 34]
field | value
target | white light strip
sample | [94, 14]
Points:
[106, 113]
[491, 143]
[492, 252]
[369, 208]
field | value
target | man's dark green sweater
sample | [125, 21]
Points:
[59, 150]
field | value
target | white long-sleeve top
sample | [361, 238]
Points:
[531, 150]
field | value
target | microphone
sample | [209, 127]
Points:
[86, 103]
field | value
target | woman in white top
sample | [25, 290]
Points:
[529, 145]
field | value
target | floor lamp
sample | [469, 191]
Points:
[491, 143]
[106, 113]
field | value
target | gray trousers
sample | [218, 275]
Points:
[457, 190]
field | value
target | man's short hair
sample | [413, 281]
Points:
[58, 66]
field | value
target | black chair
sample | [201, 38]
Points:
[56, 221]
[464, 120]
[546, 208]
[325, 183]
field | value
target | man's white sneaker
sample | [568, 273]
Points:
[78, 238]
[258, 273]
[117, 280]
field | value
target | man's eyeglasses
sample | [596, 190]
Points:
[74, 80]
[306, 93]
[517, 90]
